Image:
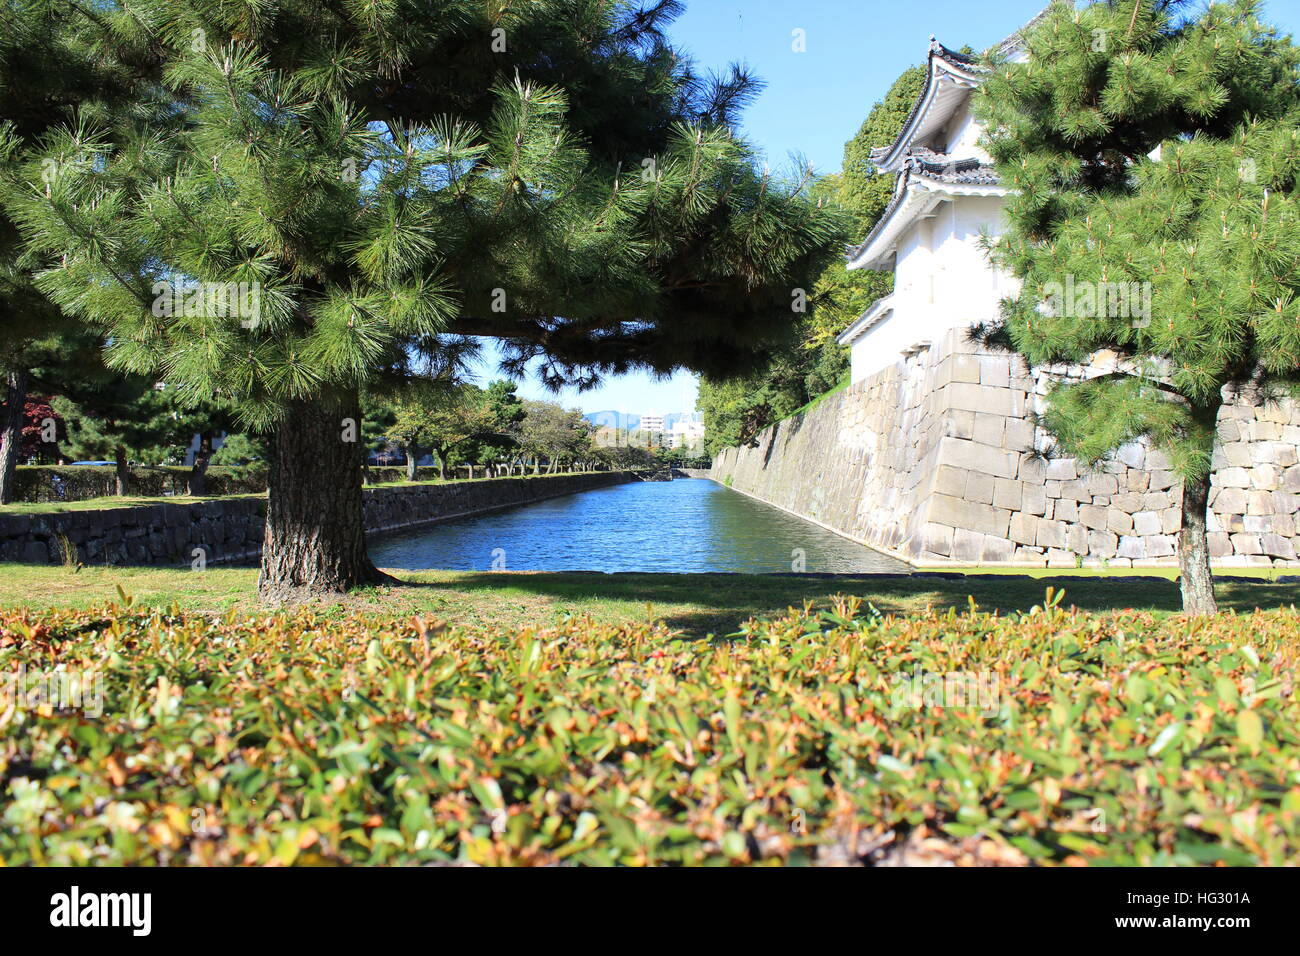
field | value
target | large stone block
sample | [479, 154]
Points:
[937, 538]
[1247, 544]
[1050, 534]
[977, 457]
[1119, 521]
[1019, 434]
[1219, 544]
[1023, 528]
[997, 550]
[1147, 522]
[1237, 453]
[995, 370]
[951, 481]
[959, 423]
[979, 488]
[981, 398]
[1061, 469]
[1230, 500]
[1103, 544]
[1161, 546]
[1277, 546]
[1093, 517]
[970, 515]
[1133, 454]
[1033, 499]
[989, 429]
[1131, 546]
[1032, 469]
[967, 546]
[1101, 484]
[1007, 493]
[1233, 477]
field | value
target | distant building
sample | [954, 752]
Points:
[686, 434]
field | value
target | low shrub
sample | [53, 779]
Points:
[40, 483]
[812, 738]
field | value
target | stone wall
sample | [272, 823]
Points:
[229, 530]
[937, 460]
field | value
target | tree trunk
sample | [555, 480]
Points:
[198, 482]
[412, 453]
[122, 469]
[1195, 580]
[11, 432]
[315, 542]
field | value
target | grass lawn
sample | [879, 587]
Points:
[694, 604]
[108, 502]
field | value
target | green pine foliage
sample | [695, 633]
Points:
[1209, 225]
[387, 179]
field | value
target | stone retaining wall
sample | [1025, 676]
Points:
[230, 529]
[935, 460]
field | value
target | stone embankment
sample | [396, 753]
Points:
[230, 529]
[938, 461]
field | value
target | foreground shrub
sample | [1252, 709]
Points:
[818, 737]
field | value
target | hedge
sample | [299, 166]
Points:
[35, 483]
[813, 738]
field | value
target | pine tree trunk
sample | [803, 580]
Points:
[315, 542]
[198, 481]
[1195, 580]
[11, 432]
[122, 469]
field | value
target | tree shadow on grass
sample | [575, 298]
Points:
[702, 604]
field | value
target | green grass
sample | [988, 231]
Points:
[695, 604]
[840, 386]
[110, 501]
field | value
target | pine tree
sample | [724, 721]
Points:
[384, 176]
[48, 66]
[1148, 148]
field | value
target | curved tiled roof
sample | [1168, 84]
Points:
[926, 164]
[963, 62]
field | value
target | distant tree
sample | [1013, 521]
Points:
[1210, 226]
[238, 448]
[438, 417]
[123, 418]
[43, 429]
[549, 431]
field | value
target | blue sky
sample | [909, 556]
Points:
[815, 100]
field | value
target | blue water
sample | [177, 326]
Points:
[687, 525]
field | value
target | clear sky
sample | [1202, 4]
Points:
[816, 99]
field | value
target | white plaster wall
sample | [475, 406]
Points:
[962, 136]
[942, 280]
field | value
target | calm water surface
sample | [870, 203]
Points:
[688, 525]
